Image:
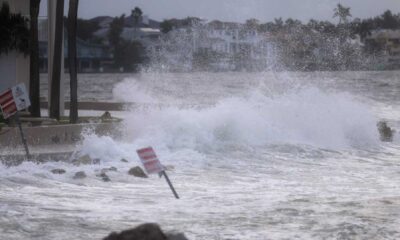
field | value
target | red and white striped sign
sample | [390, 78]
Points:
[150, 160]
[13, 100]
[7, 104]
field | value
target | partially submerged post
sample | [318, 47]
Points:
[153, 165]
[170, 184]
[22, 135]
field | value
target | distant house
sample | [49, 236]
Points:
[103, 21]
[147, 31]
[144, 35]
[231, 37]
[216, 46]
[144, 22]
[91, 57]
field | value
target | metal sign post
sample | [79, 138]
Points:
[170, 184]
[22, 135]
[153, 165]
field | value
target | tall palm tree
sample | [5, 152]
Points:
[34, 85]
[136, 14]
[57, 68]
[342, 13]
[72, 24]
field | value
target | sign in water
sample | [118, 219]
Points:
[150, 160]
[153, 165]
[13, 100]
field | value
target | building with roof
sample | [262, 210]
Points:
[90, 57]
[147, 31]
[143, 22]
[216, 46]
[103, 21]
[144, 35]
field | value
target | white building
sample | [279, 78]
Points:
[143, 35]
[227, 46]
[389, 41]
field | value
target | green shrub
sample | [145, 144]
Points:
[14, 31]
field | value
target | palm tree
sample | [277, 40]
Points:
[342, 13]
[252, 23]
[114, 37]
[34, 85]
[136, 14]
[57, 68]
[72, 24]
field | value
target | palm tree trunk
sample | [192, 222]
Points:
[34, 85]
[57, 68]
[72, 24]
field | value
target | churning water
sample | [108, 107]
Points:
[256, 156]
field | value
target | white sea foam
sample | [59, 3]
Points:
[130, 90]
[308, 116]
[260, 161]
[305, 116]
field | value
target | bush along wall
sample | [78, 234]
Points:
[14, 31]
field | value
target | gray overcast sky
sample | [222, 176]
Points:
[234, 10]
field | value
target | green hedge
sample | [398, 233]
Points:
[14, 31]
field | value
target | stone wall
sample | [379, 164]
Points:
[56, 134]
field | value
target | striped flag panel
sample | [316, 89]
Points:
[150, 160]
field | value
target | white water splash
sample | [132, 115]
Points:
[309, 116]
[253, 164]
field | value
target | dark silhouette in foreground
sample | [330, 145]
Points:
[385, 132]
[147, 231]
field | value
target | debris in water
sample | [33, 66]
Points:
[137, 172]
[386, 133]
[80, 175]
[58, 171]
[85, 160]
[110, 169]
[104, 177]
[106, 116]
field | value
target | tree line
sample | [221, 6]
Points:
[127, 54]
[362, 27]
[312, 45]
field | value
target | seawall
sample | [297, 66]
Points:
[56, 134]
